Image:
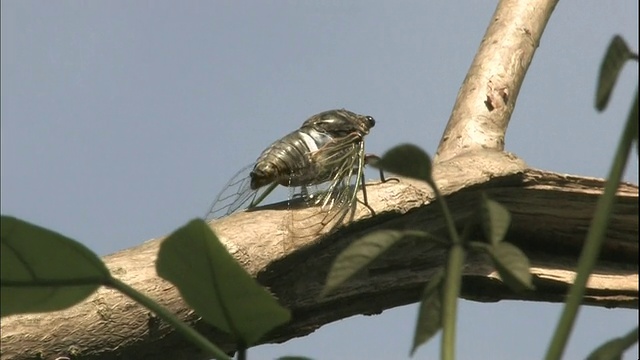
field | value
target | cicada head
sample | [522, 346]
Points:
[340, 122]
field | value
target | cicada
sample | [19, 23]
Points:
[322, 163]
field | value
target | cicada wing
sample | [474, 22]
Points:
[334, 202]
[236, 195]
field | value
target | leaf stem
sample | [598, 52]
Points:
[595, 238]
[190, 333]
[455, 262]
[630, 338]
[450, 301]
[242, 353]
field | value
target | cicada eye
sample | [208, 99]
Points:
[372, 121]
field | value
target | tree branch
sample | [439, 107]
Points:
[489, 92]
[551, 213]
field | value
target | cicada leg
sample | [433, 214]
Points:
[255, 202]
[370, 159]
[365, 200]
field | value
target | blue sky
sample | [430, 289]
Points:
[123, 120]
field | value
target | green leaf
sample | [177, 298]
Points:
[617, 54]
[614, 348]
[44, 271]
[512, 265]
[496, 220]
[430, 312]
[362, 252]
[406, 160]
[216, 286]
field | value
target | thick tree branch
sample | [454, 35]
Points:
[551, 213]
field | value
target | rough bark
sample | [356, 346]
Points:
[551, 214]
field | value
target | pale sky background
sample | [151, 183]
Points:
[122, 120]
